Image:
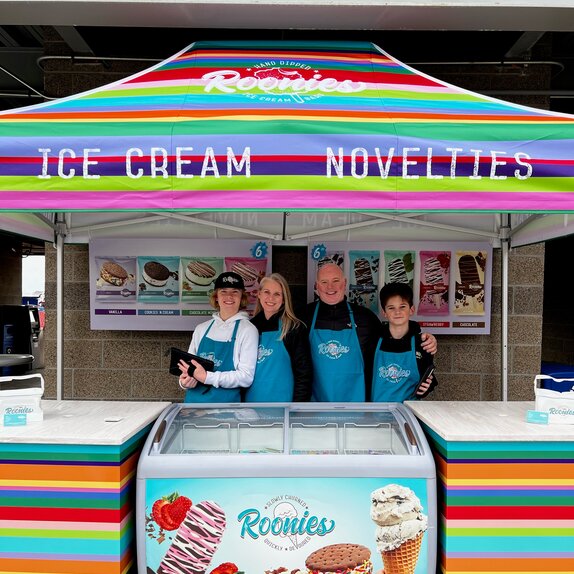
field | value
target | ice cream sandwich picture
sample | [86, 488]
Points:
[113, 273]
[340, 558]
[155, 273]
[200, 272]
[400, 526]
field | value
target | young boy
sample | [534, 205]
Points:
[400, 362]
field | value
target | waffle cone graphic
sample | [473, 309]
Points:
[403, 560]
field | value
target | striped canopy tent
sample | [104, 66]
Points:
[288, 127]
[285, 126]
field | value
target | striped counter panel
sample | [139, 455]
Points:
[505, 506]
[68, 509]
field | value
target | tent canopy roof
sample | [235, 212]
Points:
[284, 127]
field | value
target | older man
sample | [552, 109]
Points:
[343, 337]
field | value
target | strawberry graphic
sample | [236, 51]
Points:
[278, 73]
[226, 568]
[169, 511]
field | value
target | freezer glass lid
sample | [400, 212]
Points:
[226, 431]
[346, 432]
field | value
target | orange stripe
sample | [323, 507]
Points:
[517, 471]
[66, 566]
[70, 473]
[508, 565]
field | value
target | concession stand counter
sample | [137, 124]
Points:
[285, 487]
[506, 487]
[66, 482]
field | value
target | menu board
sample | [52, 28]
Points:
[165, 284]
[451, 281]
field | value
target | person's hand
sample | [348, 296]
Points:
[424, 386]
[185, 381]
[429, 343]
[200, 374]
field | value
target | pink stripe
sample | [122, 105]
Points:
[281, 200]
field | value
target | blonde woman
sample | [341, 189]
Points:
[229, 340]
[284, 371]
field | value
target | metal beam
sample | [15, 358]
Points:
[524, 45]
[74, 39]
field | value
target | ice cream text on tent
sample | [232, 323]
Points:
[358, 163]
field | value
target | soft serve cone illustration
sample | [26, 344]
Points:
[286, 510]
[397, 512]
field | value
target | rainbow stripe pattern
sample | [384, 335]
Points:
[285, 125]
[505, 506]
[68, 508]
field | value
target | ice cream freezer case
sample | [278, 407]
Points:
[296, 488]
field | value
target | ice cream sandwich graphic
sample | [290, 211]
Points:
[113, 273]
[432, 271]
[340, 558]
[468, 272]
[248, 273]
[196, 540]
[155, 273]
[200, 272]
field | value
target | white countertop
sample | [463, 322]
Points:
[85, 422]
[486, 421]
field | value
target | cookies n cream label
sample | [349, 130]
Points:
[285, 523]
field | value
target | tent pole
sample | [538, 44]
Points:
[505, 245]
[60, 234]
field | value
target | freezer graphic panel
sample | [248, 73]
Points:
[291, 525]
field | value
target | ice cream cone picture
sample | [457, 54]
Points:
[397, 512]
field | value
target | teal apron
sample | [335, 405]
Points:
[221, 353]
[395, 375]
[274, 381]
[338, 370]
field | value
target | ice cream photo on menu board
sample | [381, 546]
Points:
[400, 267]
[364, 279]
[116, 279]
[252, 270]
[400, 526]
[469, 292]
[434, 282]
[198, 275]
[158, 279]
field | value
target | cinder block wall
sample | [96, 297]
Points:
[131, 365]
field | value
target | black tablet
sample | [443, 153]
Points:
[177, 355]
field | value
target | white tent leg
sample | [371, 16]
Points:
[505, 246]
[60, 234]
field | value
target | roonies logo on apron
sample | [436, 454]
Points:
[280, 81]
[394, 373]
[333, 349]
[263, 353]
[211, 357]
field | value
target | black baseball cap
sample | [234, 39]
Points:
[229, 280]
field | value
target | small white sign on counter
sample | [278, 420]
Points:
[20, 400]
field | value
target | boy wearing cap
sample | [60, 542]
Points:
[230, 340]
[401, 368]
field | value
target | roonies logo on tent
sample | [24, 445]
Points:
[280, 81]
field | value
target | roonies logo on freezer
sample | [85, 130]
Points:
[263, 353]
[286, 523]
[280, 81]
[333, 349]
[394, 373]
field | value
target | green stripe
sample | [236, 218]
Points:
[68, 534]
[39, 502]
[458, 131]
